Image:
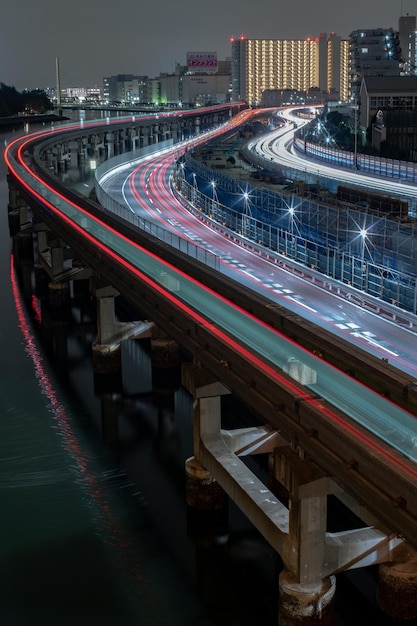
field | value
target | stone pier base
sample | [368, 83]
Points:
[165, 353]
[41, 279]
[306, 605]
[202, 491]
[59, 295]
[397, 591]
[105, 361]
[23, 245]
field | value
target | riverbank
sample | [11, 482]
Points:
[17, 121]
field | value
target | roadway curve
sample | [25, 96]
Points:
[145, 189]
[277, 147]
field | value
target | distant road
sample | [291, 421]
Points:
[277, 146]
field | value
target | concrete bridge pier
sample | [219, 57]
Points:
[81, 151]
[202, 491]
[59, 292]
[306, 593]
[109, 146]
[42, 278]
[18, 212]
[110, 333]
[106, 350]
[146, 136]
[306, 604]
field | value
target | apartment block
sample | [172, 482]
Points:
[283, 64]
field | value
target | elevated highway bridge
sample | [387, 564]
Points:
[325, 432]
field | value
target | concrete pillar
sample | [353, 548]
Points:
[81, 154]
[18, 213]
[42, 239]
[146, 139]
[106, 325]
[57, 258]
[397, 588]
[106, 350]
[203, 492]
[306, 605]
[307, 494]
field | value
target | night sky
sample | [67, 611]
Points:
[94, 39]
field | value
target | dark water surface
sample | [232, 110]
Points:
[93, 525]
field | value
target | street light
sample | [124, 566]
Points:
[247, 213]
[215, 200]
[291, 213]
[194, 190]
[363, 233]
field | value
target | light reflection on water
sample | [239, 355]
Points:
[75, 486]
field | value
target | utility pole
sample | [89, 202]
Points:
[58, 87]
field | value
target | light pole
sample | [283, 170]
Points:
[363, 233]
[215, 200]
[246, 214]
[291, 218]
[194, 190]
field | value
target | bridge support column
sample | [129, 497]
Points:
[18, 212]
[58, 290]
[306, 594]
[203, 492]
[306, 605]
[106, 353]
[42, 245]
[397, 588]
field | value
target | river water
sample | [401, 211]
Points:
[93, 521]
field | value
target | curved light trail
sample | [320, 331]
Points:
[277, 146]
[145, 189]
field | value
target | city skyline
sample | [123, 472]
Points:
[128, 38]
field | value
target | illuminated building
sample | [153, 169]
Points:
[407, 35]
[373, 52]
[284, 64]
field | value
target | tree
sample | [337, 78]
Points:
[13, 102]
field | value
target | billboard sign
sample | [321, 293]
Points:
[202, 61]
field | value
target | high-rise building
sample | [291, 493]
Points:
[372, 52]
[125, 88]
[407, 35]
[284, 64]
